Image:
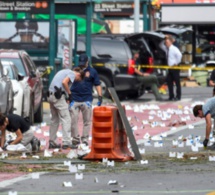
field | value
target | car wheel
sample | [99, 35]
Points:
[105, 83]
[38, 117]
[31, 113]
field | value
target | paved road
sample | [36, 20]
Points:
[162, 174]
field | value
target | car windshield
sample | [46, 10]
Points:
[18, 63]
[10, 72]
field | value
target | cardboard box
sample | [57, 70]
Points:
[191, 84]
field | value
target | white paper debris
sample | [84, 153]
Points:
[81, 167]
[193, 158]
[35, 175]
[46, 134]
[190, 127]
[67, 163]
[158, 144]
[174, 142]
[67, 184]
[172, 154]
[142, 151]
[43, 124]
[35, 156]
[134, 128]
[23, 155]
[59, 134]
[156, 138]
[79, 176]
[43, 142]
[104, 160]
[194, 148]
[181, 144]
[146, 136]
[12, 193]
[144, 162]
[112, 182]
[147, 143]
[47, 153]
[211, 158]
[110, 163]
[96, 180]
[180, 154]
[189, 142]
[164, 134]
[72, 154]
[73, 169]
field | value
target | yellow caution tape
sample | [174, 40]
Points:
[180, 67]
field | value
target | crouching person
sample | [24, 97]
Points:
[18, 125]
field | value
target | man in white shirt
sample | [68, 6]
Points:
[173, 60]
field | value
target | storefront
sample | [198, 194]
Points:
[197, 18]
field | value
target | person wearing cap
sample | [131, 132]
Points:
[206, 111]
[82, 101]
[58, 95]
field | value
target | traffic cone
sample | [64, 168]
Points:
[109, 138]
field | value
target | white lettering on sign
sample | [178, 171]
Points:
[25, 4]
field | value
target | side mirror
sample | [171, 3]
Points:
[20, 77]
[5, 71]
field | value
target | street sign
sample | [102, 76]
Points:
[31, 6]
[114, 7]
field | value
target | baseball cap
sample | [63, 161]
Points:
[83, 58]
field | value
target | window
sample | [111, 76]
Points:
[18, 63]
[115, 49]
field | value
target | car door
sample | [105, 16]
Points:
[5, 87]
[35, 81]
[3, 95]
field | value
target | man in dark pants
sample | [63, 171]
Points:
[22, 129]
[173, 59]
[212, 81]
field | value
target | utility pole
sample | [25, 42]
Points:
[136, 15]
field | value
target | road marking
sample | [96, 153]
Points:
[124, 191]
[6, 183]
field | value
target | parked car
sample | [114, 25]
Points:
[6, 92]
[27, 68]
[112, 58]
[21, 90]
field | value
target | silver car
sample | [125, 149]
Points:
[6, 92]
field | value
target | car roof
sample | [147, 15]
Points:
[174, 30]
[10, 53]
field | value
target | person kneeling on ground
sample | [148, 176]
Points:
[21, 127]
[206, 111]
[147, 79]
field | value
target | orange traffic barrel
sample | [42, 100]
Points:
[109, 138]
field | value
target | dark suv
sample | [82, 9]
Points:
[26, 67]
[112, 58]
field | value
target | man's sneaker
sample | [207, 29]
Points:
[53, 145]
[35, 143]
[69, 146]
[85, 142]
[76, 140]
